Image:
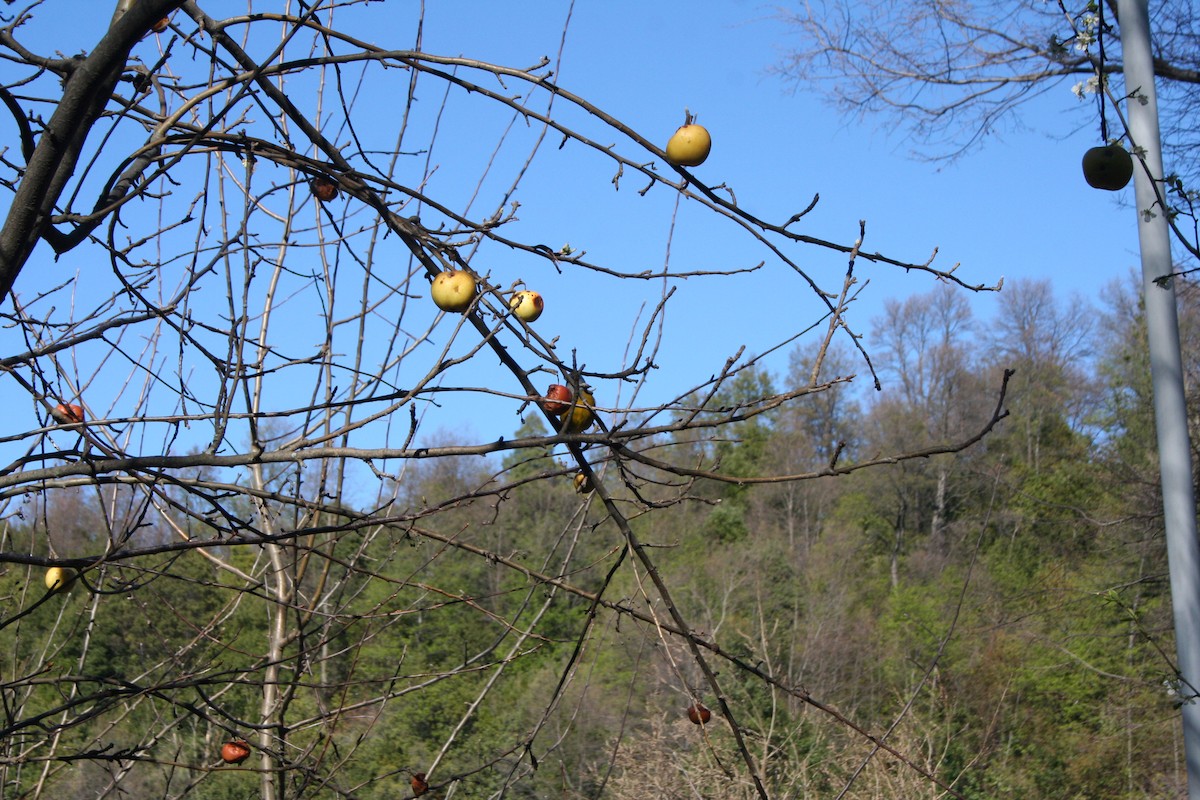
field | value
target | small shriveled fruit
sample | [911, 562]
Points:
[1109, 167]
[419, 785]
[161, 25]
[59, 578]
[699, 714]
[527, 305]
[69, 413]
[558, 399]
[235, 751]
[582, 484]
[323, 188]
[689, 146]
[453, 290]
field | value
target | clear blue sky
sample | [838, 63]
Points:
[1018, 207]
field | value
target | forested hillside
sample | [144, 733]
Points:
[998, 618]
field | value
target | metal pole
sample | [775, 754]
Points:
[1170, 411]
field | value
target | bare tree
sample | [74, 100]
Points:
[236, 383]
[952, 74]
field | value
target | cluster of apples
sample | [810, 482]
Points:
[578, 413]
[453, 290]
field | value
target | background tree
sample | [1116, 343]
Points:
[953, 74]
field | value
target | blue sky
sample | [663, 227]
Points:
[1015, 208]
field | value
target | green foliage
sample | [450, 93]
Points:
[1016, 648]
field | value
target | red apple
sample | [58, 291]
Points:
[324, 189]
[161, 25]
[68, 413]
[699, 714]
[527, 305]
[1109, 167]
[453, 290]
[235, 751]
[419, 785]
[558, 399]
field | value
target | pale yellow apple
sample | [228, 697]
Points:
[689, 146]
[58, 578]
[527, 305]
[453, 290]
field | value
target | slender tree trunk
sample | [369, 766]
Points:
[937, 524]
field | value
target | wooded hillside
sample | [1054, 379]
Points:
[998, 617]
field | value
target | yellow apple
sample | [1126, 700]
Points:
[582, 413]
[582, 484]
[689, 146]
[1109, 167]
[453, 290]
[527, 305]
[58, 578]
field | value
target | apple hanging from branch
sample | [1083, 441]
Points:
[69, 413]
[453, 290]
[690, 145]
[59, 578]
[235, 751]
[583, 413]
[527, 305]
[558, 400]
[323, 188]
[1108, 167]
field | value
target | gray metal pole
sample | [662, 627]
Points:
[1170, 412]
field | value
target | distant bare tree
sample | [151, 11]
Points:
[952, 74]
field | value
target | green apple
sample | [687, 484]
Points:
[527, 305]
[689, 146]
[453, 290]
[1109, 167]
